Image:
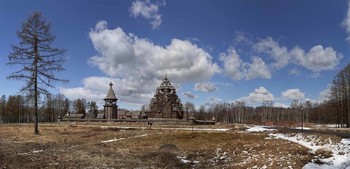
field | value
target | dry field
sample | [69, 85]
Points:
[92, 146]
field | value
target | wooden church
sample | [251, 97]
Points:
[165, 103]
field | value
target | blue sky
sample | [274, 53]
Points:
[212, 51]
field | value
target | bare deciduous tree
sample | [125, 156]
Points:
[37, 58]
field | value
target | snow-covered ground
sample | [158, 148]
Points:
[259, 129]
[340, 151]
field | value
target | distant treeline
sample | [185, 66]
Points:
[339, 101]
[266, 114]
[335, 110]
[20, 109]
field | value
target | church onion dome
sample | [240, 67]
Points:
[110, 95]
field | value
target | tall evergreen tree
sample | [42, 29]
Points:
[3, 108]
[66, 107]
[37, 58]
[93, 109]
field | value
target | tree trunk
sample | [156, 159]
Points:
[36, 128]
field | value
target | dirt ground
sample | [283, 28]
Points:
[64, 145]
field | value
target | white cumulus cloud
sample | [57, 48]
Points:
[294, 71]
[232, 64]
[137, 66]
[259, 95]
[148, 11]
[324, 95]
[346, 22]
[236, 69]
[293, 94]
[257, 69]
[212, 100]
[123, 55]
[317, 59]
[190, 95]
[278, 104]
[205, 87]
[279, 53]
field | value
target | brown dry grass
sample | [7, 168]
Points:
[79, 146]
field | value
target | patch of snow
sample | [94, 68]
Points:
[331, 125]
[345, 141]
[304, 128]
[299, 138]
[259, 129]
[323, 126]
[220, 156]
[165, 128]
[23, 154]
[340, 151]
[112, 140]
[118, 139]
[37, 151]
[256, 167]
[185, 161]
[143, 135]
[33, 152]
[200, 129]
[122, 127]
[194, 129]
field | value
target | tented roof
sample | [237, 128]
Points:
[110, 95]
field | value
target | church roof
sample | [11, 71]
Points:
[166, 84]
[110, 95]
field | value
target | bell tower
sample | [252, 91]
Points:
[110, 107]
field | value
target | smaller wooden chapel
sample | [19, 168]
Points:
[110, 106]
